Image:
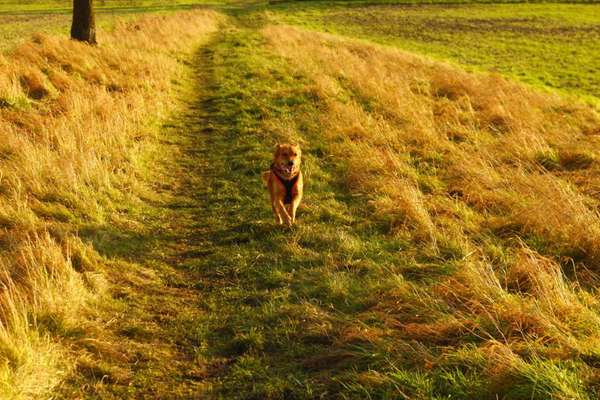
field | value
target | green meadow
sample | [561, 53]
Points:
[547, 45]
[447, 247]
[55, 6]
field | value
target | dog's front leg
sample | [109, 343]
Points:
[294, 207]
[278, 218]
[284, 211]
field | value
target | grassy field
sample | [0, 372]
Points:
[18, 20]
[57, 6]
[77, 132]
[448, 245]
[547, 45]
[439, 254]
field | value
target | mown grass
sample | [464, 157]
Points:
[547, 45]
[272, 296]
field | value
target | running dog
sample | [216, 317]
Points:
[284, 181]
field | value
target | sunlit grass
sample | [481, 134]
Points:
[58, 6]
[547, 45]
[18, 20]
[435, 254]
[77, 130]
[447, 247]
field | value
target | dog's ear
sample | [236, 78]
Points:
[277, 148]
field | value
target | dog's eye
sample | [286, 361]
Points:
[294, 154]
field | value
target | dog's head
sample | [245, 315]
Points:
[287, 158]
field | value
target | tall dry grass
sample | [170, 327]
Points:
[480, 172]
[76, 129]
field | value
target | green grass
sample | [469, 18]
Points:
[210, 297]
[547, 45]
[271, 312]
[57, 6]
[279, 304]
[276, 298]
[15, 29]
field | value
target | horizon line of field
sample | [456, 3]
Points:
[108, 10]
[194, 5]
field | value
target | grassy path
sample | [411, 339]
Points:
[283, 308]
[213, 300]
[147, 346]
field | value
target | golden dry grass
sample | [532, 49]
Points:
[489, 182]
[76, 125]
[476, 169]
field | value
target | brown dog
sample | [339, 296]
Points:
[284, 181]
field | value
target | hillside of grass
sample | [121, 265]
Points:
[545, 45]
[447, 245]
[77, 131]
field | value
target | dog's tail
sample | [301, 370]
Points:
[265, 177]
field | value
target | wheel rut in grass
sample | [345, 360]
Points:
[284, 311]
[144, 341]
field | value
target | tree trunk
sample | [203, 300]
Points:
[84, 23]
